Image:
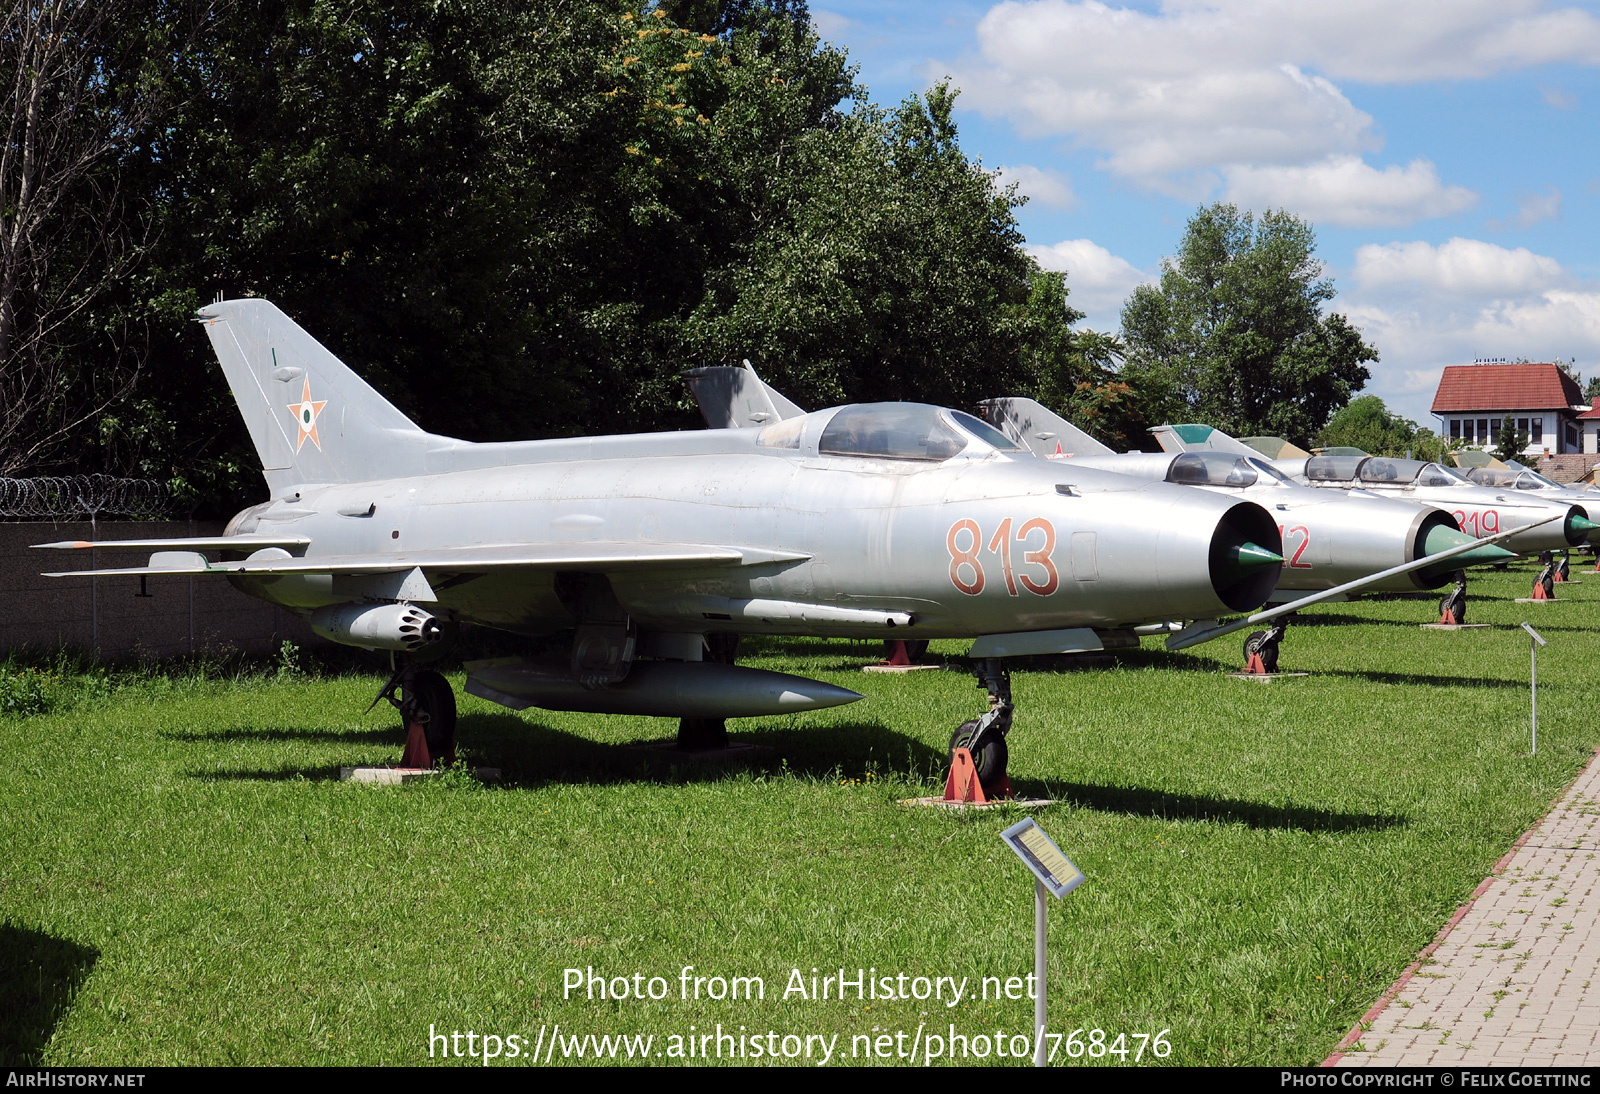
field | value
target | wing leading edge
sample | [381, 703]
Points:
[180, 556]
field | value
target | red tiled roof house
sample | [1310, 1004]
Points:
[1542, 400]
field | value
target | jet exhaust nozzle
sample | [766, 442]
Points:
[403, 627]
[663, 689]
[1245, 557]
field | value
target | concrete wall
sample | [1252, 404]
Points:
[180, 614]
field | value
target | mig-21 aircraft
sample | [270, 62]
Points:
[1328, 539]
[1479, 510]
[657, 551]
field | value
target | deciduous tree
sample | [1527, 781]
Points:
[1237, 329]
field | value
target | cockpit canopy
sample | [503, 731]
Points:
[889, 431]
[1212, 469]
[1511, 478]
[1379, 470]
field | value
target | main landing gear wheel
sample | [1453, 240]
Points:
[989, 759]
[435, 703]
[914, 651]
[427, 709]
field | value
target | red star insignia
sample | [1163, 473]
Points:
[305, 415]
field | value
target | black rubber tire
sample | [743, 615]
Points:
[434, 696]
[1269, 655]
[990, 761]
[915, 650]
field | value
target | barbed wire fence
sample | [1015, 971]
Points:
[78, 497]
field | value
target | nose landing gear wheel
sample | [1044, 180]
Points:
[990, 759]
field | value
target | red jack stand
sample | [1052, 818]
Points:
[898, 655]
[1253, 665]
[416, 753]
[1447, 618]
[1538, 591]
[962, 784]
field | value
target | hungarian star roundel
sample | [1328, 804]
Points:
[306, 412]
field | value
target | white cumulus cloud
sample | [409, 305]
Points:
[1424, 307]
[1531, 209]
[1201, 91]
[830, 24]
[1464, 269]
[1098, 280]
[1045, 186]
[1345, 190]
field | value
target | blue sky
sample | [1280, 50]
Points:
[1445, 150]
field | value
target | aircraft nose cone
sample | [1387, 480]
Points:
[1442, 537]
[1578, 528]
[1249, 557]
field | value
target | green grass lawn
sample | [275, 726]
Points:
[187, 882]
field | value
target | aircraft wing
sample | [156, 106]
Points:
[183, 556]
[250, 542]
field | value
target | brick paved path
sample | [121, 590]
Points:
[1509, 981]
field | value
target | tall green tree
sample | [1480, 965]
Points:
[527, 220]
[1366, 423]
[1511, 444]
[1237, 331]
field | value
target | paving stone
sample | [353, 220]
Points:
[1549, 1013]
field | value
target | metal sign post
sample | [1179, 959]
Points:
[1533, 684]
[1053, 873]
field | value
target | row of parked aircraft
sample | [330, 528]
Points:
[882, 520]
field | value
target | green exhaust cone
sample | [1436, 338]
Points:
[1249, 557]
[1442, 537]
[1580, 527]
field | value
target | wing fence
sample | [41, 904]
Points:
[75, 497]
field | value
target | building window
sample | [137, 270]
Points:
[1483, 430]
[1455, 429]
[1536, 434]
[1522, 428]
[1494, 430]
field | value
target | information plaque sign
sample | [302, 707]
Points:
[1053, 869]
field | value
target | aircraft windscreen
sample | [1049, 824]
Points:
[1438, 475]
[1383, 469]
[1333, 468]
[1211, 469]
[891, 431]
[1271, 472]
[1532, 480]
[784, 434]
[985, 432]
[1492, 476]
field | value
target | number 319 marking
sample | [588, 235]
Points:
[965, 559]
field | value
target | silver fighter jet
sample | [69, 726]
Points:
[657, 551]
[1328, 538]
[1479, 510]
[1337, 542]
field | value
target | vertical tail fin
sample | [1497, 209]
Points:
[1036, 428]
[312, 419]
[736, 398]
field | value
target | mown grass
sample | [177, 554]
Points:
[187, 881]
